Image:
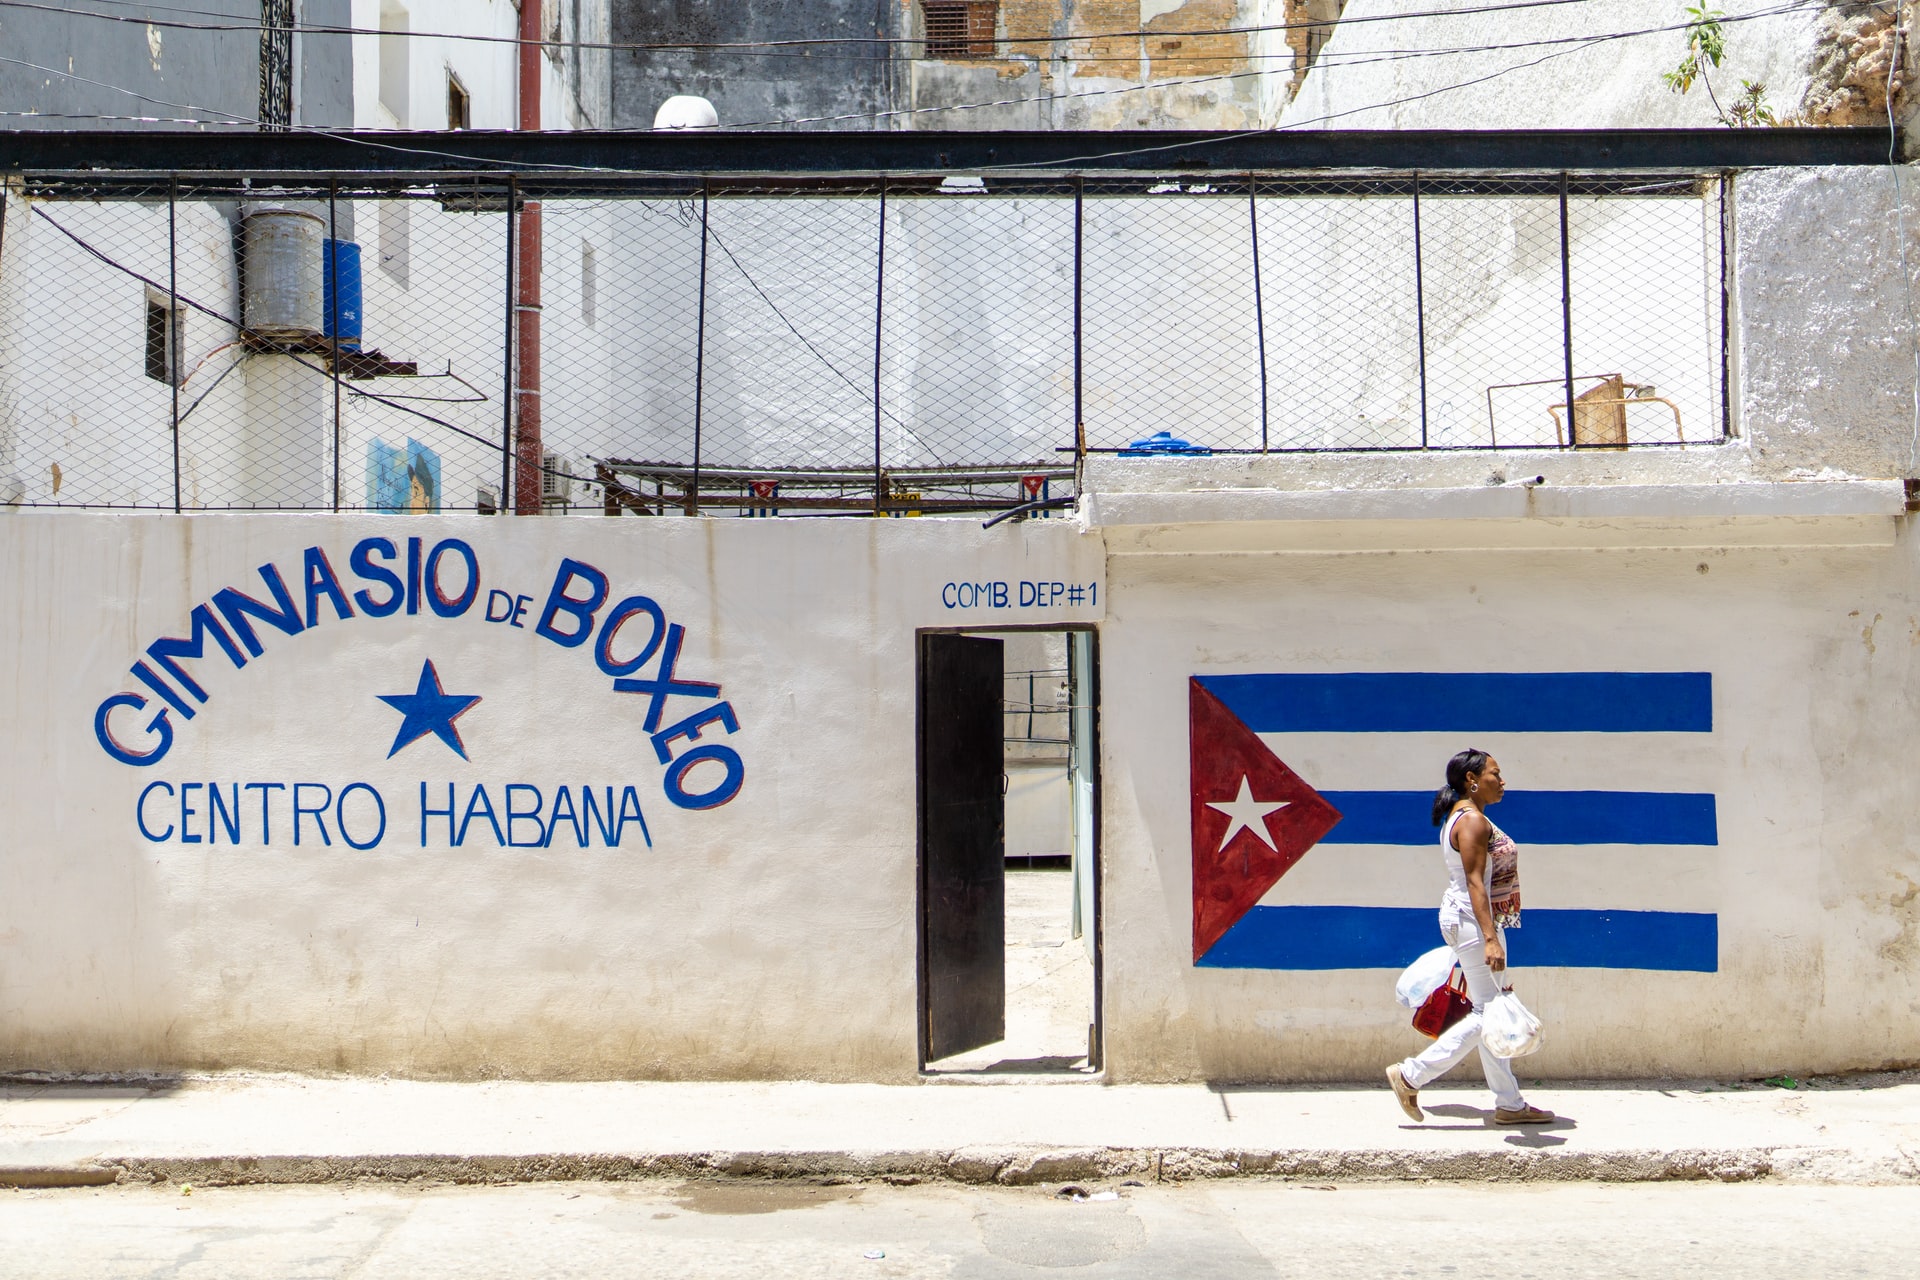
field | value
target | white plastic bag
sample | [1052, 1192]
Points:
[1508, 1029]
[1423, 977]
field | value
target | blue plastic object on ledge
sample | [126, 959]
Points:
[340, 293]
[1164, 444]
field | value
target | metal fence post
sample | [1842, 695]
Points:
[1079, 418]
[175, 347]
[1566, 312]
[1259, 311]
[1420, 305]
[879, 299]
[501, 504]
[1726, 319]
[333, 319]
[700, 351]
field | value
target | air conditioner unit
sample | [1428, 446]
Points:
[556, 480]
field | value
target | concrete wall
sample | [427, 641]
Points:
[574, 91]
[752, 88]
[85, 68]
[1058, 64]
[1821, 269]
[1505, 72]
[771, 933]
[1811, 652]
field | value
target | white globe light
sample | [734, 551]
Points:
[685, 111]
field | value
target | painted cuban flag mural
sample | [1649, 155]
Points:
[1312, 794]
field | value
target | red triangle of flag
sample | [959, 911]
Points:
[1232, 767]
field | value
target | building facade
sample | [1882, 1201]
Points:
[641, 797]
[1612, 481]
[968, 64]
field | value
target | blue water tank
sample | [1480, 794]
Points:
[341, 293]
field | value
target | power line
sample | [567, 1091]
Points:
[360, 392]
[1378, 106]
[1580, 43]
[751, 46]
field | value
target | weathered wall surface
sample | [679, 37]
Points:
[1811, 653]
[768, 934]
[472, 40]
[1826, 331]
[749, 87]
[1530, 68]
[1112, 64]
[1056, 64]
[84, 68]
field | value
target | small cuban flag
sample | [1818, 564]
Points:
[1327, 781]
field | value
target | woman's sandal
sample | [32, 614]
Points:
[1408, 1095]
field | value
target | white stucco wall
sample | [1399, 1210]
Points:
[1821, 270]
[487, 68]
[772, 935]
[1811, 652]
[1504, 69]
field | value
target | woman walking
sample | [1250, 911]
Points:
[1482, 899]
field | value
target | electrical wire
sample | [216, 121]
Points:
[1378, 106]
[132, 93]
[392, 403]
[1284, 55]
[757, 45]
[1578, 43]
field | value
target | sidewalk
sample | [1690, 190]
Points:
[230, 1128]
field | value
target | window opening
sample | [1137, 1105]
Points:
[164, 325]
[960, 28]
[459, 104]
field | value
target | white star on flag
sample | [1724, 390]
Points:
[1248, 814]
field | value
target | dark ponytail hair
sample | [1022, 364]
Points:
[1468, 761]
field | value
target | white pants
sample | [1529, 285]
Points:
[1457, 1041]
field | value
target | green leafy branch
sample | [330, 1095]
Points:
[1706, 46]
[1706, 40]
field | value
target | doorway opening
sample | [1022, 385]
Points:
[1008, 853]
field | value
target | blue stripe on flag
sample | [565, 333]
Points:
[1470, 702]
[1391, 937]
[1534, 817]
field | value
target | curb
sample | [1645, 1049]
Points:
[1002, 1166]
[26, 1176]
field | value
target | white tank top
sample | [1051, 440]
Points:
[1456, 899]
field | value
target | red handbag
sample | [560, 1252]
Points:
[1446, 1006]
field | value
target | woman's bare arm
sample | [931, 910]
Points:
[1471, 835]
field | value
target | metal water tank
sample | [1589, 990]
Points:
[283, 273]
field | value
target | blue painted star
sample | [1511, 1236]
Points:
[428, 710]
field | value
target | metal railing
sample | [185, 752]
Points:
[820, 345]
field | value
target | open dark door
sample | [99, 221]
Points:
[963, 886]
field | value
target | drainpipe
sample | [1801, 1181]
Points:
[526, 305]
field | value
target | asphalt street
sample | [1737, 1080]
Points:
[796, 1230]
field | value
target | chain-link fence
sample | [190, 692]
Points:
[649, 346]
